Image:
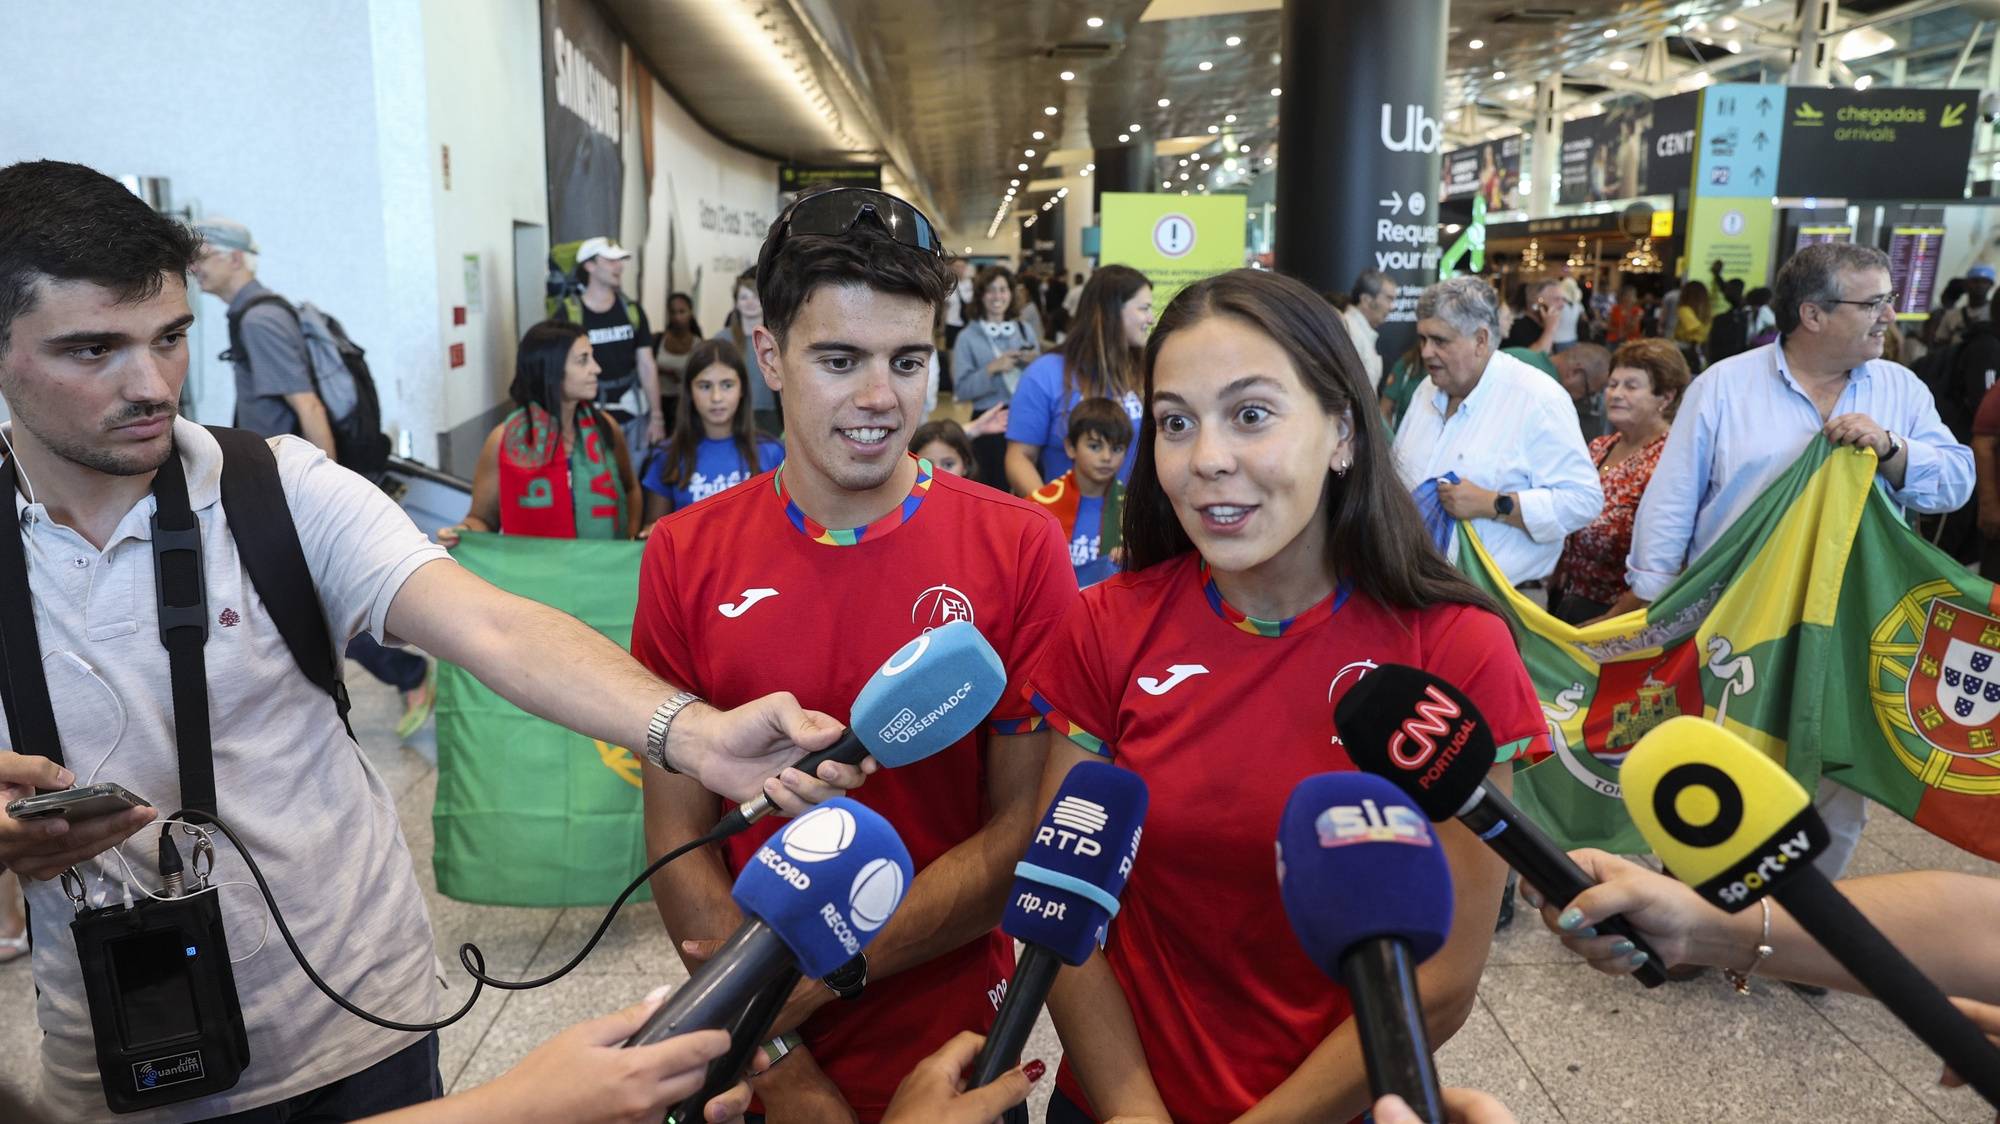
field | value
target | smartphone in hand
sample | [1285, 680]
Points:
[74, 804]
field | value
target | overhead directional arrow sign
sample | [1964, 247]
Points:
[1394, 202]
[1954, 116]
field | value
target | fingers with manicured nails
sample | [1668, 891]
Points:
[700, 950]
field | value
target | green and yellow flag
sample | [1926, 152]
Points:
[1819, 628]
[528, 813]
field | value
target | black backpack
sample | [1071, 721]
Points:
[1730, 334]
[339, 371]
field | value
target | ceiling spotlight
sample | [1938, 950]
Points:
[1020, 167]
[1183, 161]
[1039, 135]
[1067, 75]
[1124, 138]
[1727, 23]
[1499, 76]
[1204, 167]
[1476, 44]
[1233, 41]
[1164, 102]
[1183, 191]
[1230, 164]
[1013, 183]
[1201, 187]
[1049, 110]
[1620, 64]
[1735, 46]
[1135, 128]
[1028, 152]
[1214, 129]
[1184, 177]
[967, 250]
[1166, 183]
[1864, 81]
[1094, 21]
[1268, 161]
[1611, 33]
[1087, 168]
[1085, 173]
[1244, 149]
[1204, 65]
[1277, 91]
[1229, 119]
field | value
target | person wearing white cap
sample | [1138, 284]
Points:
[629, 386]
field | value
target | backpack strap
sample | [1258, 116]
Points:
[24, 689]
[267, 541]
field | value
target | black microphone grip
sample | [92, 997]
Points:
[1381, 982]
[1547, 867]
[719, 991]
[848, 751]
[749, 1032]
[1034, 975]
[1889, 976]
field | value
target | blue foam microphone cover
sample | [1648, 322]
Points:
[827, 883]
[1357, 860]
[935, 690]
[1066, 888]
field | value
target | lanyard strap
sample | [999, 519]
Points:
[31, 720]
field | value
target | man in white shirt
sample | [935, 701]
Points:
[1373, 297]
[93, 352]
[1507, 431]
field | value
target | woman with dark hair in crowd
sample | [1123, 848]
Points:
[557, 467]
[1273, 557]
[677, 339]
[1644, 391]
[715, 443]
[744, 319]
[1100, 358]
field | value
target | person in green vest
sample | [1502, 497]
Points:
[557, 467]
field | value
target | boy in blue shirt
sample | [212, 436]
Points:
[1088, 500]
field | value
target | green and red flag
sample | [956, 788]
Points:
[528, 813]
[1819, 628]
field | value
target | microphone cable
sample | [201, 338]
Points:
[469, 954]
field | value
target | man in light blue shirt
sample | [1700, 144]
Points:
[1507, 430]
[1745, 421]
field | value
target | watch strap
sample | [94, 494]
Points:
[662, 725]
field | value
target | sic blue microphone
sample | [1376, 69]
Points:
[1065, 894]
[1365, 884]
[812, 899]
[933, 691]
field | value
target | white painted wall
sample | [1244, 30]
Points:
[712, 203]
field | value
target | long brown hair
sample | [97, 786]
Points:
[1374, 536]
[1097, 358]
[688, 433]
[987, 276]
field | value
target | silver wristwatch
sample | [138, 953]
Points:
[662, 724]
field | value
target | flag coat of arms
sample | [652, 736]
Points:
[1819, 628]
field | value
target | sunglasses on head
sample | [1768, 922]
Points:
[832, 214]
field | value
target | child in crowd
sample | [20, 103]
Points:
[715, 442]
[945, 444]
[1088, 500]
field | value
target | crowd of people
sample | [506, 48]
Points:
[1226, 493]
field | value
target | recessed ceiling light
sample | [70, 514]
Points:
[1476, 44]
[1214, 129]
[1204, 167]
[1124, 138]
[1013, 183]
[1049, 109]
[1204, 65]
[1620, 64]
[1164, 102]
[1184, 177]
[1727, 23]
[1039, 135]
[967, 250]
[1135, 128]
[1068, 75]
[1028, 152]
[1201, 187]
[1612, 32]
[1267, 161]
[1166, 183]
[1233, 41]
[1499, 76]
[1094, 21]
[1183, 161]
[1735, 46]
[1243, 148]
[1229, 119]
[1183, 191]
[1020, 167]
[1277, 91]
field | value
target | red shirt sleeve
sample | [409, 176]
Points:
[1070, 685]
[1047, 596]
[1476, 653]
[657, 640]
[1986, 423]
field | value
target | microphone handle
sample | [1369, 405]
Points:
[848, 751]
[716, 995]
[1889, 976]
[1381, 980]
[748, 1034]
[1034, 974]
[1529, 850]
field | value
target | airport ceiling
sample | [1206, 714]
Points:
[951, 93]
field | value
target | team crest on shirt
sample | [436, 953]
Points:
[938, 606]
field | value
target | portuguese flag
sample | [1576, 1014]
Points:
[528, 813]
[1819, 628]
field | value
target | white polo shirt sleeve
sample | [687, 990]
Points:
[358, 544]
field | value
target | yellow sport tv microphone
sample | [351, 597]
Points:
[1731, 823]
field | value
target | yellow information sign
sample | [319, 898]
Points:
[1736, 232]
[1174, 240]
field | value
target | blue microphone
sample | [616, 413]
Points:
[1065, 894]
[1365, 884]
[812, 897]
[933, 691]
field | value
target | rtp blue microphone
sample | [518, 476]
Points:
[1065, 894]
[1365, 884]
[933, 691]
[812, 898]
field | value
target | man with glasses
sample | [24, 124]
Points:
[1747, 418]
[805, 579]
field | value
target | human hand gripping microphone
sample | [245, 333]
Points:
[1366, 886]
[933, 691]
[1065, 894]
[1424, 735]
[1731, 823]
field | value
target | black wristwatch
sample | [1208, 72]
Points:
[1503, 505]
[848, 979]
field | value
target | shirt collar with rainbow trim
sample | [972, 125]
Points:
[831, 537]
[1255, 626]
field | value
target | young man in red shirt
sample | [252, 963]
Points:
[805, 580]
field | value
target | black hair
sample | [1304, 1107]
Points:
[694, 325]
[539, 365]
[66, 222]
[866, 255]
[688, 433]
[1101, 416]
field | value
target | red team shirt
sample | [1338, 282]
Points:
[1222, 715]
[743, 594]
